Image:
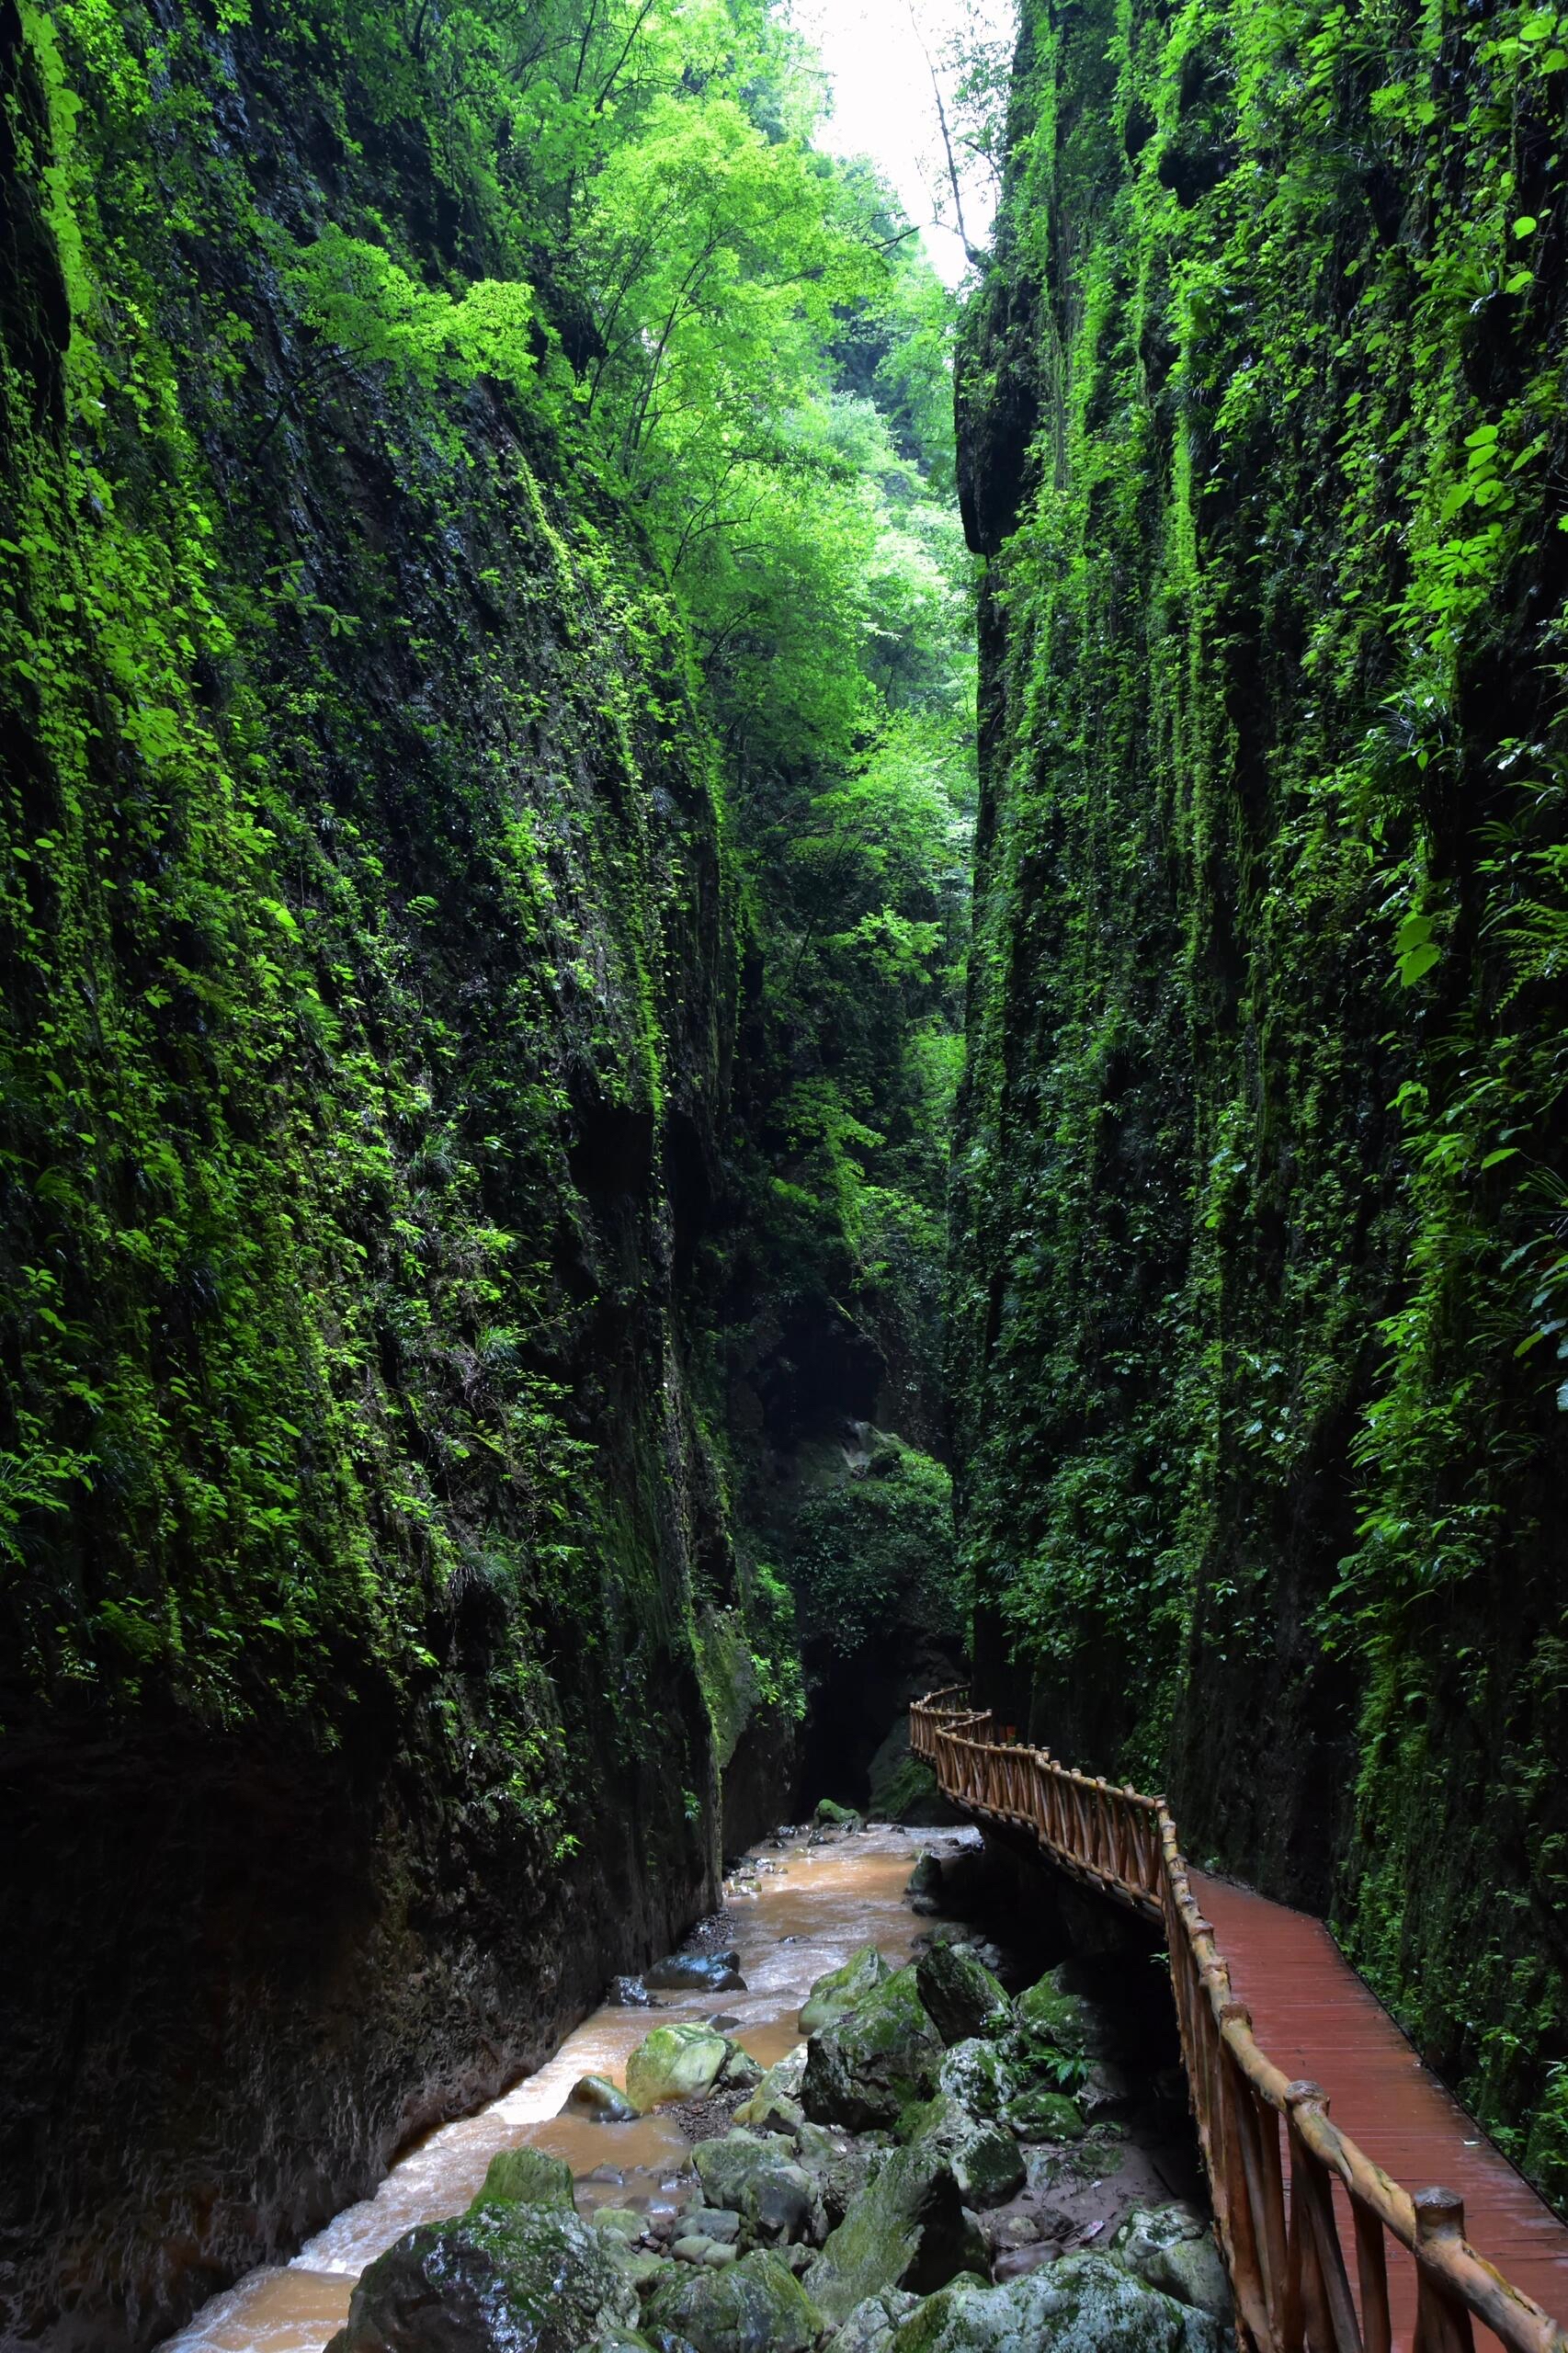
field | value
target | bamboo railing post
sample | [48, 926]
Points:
[1231, 2141]
[1442, 2325]
[1372, 2275]
[1332, 2307]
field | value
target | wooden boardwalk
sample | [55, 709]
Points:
[1315, 2017]
[1323, 2135]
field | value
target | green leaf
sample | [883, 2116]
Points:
[1509, 1152]
[1524, 226]
[1420, 961]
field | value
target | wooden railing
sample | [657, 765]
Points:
[1272, 2155]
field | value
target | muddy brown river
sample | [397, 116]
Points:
[807, 1909]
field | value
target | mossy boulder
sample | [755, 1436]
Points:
[961, 1996]
[983, 2157]
[875, 2063]
[840, 2167]
[756, 2175]
[757, 2305]
[504, 2278]
[686, 2061]
[902, 1787]
[527, 2178]
[1193, 2272]
[1036, 2113]
[1047, 2019]
[618, 2221]
[830, 1815]
[909, 2229]
[596, 2097]
[833, 1997]
[923, 1886]
[1085, 2303]
[871, 2326]
[775, 2105]
[980, 2076]
[1171, 2249]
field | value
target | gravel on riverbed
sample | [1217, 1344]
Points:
[710, 2118]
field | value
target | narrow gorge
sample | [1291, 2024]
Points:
[684, 1054]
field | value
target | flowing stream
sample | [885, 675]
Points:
[798, 1908]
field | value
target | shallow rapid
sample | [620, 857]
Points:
[798, 1907]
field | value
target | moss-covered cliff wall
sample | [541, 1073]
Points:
[369, 975]
[1260, 1236]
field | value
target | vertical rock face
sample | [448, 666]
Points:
[1260, 1257]
[368, 963]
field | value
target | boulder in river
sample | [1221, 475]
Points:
[963, 1999]
[527, 2178]
[755, 2306]
[596, 2097]
[1084, 2303]
[925, 1886]
[830, 1815]
[877, 2062]
[502, 2279]
[686, 2061]
[629, 1994]
[910, 2228]
[833, 1997]
[698, 1972]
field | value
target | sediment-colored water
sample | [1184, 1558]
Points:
[798, 1909]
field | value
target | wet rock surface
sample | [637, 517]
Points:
[867, 2068]
[685, 2061]
[942, 2166]
[505, 2279]
[835, 1995]
[712, 1973]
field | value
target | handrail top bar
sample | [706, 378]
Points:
[1521, 2323]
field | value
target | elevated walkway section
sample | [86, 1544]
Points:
[1328, 2251]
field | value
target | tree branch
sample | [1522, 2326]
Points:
[971, 254]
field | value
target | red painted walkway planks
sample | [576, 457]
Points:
[1314, 2017]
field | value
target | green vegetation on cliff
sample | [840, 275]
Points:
[489, 704]
[1260, 1239]
[608, 250]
